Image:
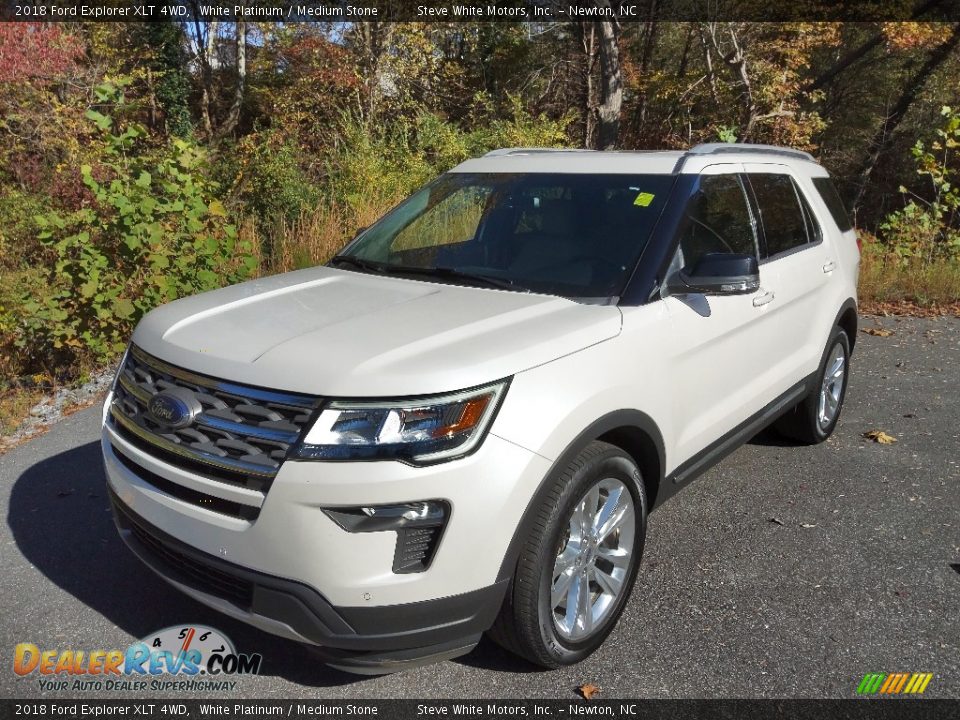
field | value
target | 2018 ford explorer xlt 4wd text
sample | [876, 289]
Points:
[460, 424]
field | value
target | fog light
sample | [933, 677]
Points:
[419, 526]
[377, 518]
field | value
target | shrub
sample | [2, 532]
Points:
[929, 230]
[266, 177]
[378, 166]
[154, 232]
[19, 247]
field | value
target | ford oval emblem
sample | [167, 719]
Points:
[168, 408]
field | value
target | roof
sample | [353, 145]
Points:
[551, 160]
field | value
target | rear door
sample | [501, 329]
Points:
[799, 264]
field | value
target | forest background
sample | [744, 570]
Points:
[143, 162]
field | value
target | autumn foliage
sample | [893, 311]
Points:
[309, 131]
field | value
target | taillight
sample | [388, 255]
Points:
[859, 245]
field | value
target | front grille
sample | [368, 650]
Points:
[238, 434]
[205, 500]
[198, 575]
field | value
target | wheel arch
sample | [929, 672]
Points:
[847, 319]
[634, 432]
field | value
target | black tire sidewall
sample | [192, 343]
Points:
[615, 464]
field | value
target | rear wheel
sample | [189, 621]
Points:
[579, 563]
[814, 419]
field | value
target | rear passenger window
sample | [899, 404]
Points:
[717, 220]
[787, 223]
[831, 198]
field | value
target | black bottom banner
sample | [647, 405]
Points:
[402, 709]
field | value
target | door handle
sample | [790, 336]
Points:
[830, 266]
[759, 300]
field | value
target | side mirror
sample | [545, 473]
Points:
[720, 274]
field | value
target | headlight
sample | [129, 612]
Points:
[419, 431]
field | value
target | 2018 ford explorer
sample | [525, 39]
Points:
[459, 425]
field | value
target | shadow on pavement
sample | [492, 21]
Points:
[60, 518]
[768, 437]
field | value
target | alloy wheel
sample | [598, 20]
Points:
[831, 390]
[593, 559]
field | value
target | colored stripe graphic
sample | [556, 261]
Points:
[870, 683]
[894, 683]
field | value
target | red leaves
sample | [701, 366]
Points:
[30, 50]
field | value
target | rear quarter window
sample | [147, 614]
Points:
[831, 198]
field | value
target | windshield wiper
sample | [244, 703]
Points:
[437, 272]
[454, 274]
[358, 263]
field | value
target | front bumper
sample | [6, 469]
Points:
[294, 572]
[294, 610]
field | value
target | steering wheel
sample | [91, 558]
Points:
[713, 232]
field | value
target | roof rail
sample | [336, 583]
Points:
[527, 150]
[718, 148]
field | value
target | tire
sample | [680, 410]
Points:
[530, 624]
[807, 422]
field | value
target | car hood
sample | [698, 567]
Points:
[334, 332]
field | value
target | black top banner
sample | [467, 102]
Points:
[531, 11]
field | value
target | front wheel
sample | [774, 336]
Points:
[814, 419]
[579, 563]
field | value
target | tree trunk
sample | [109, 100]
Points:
[233, 115]
[881, 140]
[737, 61]
[374, 39]
[685, 55]
[650, 40]
[708, 60]
[588, 36]
[611, 83]
[206, 44]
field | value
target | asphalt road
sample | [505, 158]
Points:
[859, 572]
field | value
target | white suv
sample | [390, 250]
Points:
[460, 424]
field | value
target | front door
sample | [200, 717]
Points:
[720, 343]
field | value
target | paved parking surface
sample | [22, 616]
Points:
[783, 572]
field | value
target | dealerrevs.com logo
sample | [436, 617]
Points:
[181, 658]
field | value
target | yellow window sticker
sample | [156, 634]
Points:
[644, 199]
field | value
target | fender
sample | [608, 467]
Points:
[848, 304]
[611, 421]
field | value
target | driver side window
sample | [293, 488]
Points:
[717, 220]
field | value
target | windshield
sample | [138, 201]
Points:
[574, 235]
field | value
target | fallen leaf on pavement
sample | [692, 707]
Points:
[776, 520]
[588, 690]
[879, 436]
[807, 525]
[878, 332]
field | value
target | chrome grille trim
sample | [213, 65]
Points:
[241, 433]
[249, 430]
[224, 464]
[241, 391]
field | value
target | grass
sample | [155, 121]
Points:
[313, 238]
[894, 286]
[15, 404]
